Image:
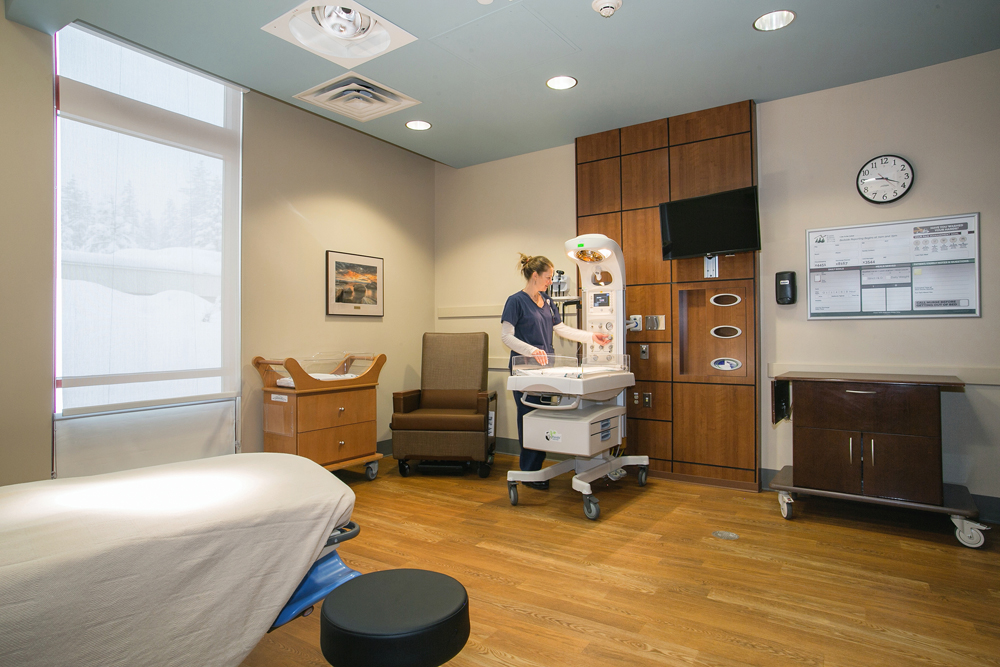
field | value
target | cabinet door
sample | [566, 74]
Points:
[827, 459]
[643, 249]
[715, 424]
[904, 467]
[598, 187]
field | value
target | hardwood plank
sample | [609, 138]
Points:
[648, 585]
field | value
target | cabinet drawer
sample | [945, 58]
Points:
[869, 407]
[338, 408]
[331, 445]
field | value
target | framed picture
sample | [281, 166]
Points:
[354, 284]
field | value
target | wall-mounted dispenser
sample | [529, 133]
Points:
[784, 287]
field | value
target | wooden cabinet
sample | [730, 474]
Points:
[330, 422]
[622, 178]
[878, 436]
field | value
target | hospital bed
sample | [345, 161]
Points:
[182, 564]
[578, 409]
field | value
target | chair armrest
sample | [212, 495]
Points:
[483, 401]
[405, 401]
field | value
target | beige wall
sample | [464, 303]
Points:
[26, 252]
[944, 119]
[310, 185]
[485, 216]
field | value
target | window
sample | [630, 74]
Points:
[148, 230]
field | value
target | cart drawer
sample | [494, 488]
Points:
[332, 445]
[335, 408]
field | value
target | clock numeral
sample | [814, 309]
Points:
[874, 165]
[865, 172]
[903, 186]
[906, 175]
[866, 188]
[885, 160]
[895, 193]
[874, 195]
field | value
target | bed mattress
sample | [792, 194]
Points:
[180, 564]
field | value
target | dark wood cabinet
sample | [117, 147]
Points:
[880, 437]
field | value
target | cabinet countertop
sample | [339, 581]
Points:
[883, 378]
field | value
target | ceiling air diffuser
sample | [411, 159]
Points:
[357, 97]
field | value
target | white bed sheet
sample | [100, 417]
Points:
[180, 564]
[326, 377]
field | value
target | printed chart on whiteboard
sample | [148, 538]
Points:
[911, 268]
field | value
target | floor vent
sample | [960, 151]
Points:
[356, 97]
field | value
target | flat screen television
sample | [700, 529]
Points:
[718, 224]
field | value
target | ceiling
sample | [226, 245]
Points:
[479, 70]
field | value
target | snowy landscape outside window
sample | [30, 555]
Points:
[148, 229]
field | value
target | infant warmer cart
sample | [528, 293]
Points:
[582, 412]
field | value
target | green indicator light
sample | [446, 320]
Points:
[579, 245]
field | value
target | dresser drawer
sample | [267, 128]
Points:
[339, 408]
[331, 445]
[870, 407]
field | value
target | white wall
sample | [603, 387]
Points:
[944, 119]
[310, 185]
[485, 216]
[26, 252]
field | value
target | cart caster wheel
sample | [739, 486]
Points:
[371, 471]
[785, 504]
[643, 473]
[591, 508]
[972, 537]
[404, 469]
[512, 492]
[484, 470]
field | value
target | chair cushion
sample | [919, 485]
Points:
[438, 419]
[451, 399]
[395, 618]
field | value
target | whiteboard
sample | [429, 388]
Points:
[910, 268]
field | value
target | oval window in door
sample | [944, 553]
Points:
[726, 364]
[726, 331]
[725, 299]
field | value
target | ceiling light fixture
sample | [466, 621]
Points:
[774, 20]
[606, 7]
[561, 82]
[418, 125]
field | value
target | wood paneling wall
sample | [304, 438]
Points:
[693, 421]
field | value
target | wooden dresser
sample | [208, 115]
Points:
[870, 437]
[330, 422]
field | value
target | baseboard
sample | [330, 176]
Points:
[989, 507]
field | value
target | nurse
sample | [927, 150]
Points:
[528, 321]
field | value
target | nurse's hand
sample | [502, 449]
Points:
[602, 339]
[540, 357]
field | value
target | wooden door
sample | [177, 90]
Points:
[827, 459]
[904, 467]
[715, 424]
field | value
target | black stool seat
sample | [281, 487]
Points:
[395, 618]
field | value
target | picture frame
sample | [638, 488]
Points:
[354, 285]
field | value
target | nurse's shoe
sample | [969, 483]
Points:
[541, 486]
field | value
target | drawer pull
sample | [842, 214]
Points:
[605, 435]
[858, 391]
[342, 409]
[873, 452]
[341, 443]
[850, 447]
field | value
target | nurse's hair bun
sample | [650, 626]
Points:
[528, 265]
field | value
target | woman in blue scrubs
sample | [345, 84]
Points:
[529, 319]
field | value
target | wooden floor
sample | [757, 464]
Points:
[842, 584]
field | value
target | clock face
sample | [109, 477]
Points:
[885, 179]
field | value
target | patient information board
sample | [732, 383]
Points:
[912, 268]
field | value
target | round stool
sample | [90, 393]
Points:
[395, 618]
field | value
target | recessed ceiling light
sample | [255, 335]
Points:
[418, 125]
[774, 20]
[561, 82]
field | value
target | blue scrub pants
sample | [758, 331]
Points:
[530, 459]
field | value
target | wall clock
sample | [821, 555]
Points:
[885, 179]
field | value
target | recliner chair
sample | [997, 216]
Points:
[448, 418]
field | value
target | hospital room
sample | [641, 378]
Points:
[500, 332]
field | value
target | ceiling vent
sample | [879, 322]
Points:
[346, 33]
[356, 97]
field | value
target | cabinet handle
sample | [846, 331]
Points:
[873, 452]
[341, 443]
[850, 447]
[858, 391]
[342, 409]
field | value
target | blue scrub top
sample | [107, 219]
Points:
[532, 324]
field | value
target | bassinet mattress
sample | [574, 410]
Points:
[326, 377]
[180, 564]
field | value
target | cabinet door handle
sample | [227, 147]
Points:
[342, 409]
[873, 452]
[341, 443]
[850, 448]
[858, 391]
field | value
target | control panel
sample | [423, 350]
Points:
[602, 312]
